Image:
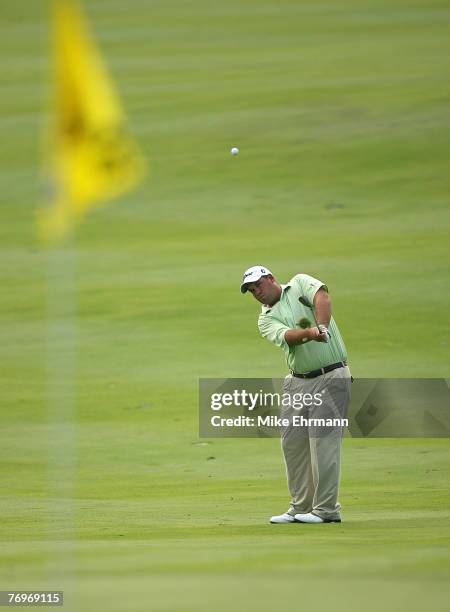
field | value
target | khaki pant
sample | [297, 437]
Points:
[313, 454]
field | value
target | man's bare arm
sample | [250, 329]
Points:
[322, 304]
[300, 336]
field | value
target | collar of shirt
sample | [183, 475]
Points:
[265, 309]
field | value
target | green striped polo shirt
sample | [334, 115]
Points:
[274, 321]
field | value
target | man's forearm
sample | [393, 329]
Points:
[322, 304]
[296, 336]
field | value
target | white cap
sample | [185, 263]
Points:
[252, 275]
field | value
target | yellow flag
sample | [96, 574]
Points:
[92, 157]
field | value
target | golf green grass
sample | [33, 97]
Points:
[341, 114]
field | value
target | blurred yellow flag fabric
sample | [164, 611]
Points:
[92, 156]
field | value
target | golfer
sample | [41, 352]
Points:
[297, 318]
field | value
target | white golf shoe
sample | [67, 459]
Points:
[313, 519]
[282, 519]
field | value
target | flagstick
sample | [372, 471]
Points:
[92, 158]
[61, 405]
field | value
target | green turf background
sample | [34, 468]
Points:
[341, 113]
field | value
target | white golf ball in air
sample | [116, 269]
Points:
[234, 151]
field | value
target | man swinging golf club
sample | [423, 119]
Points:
[297, 318]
